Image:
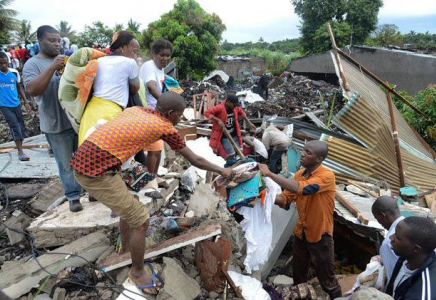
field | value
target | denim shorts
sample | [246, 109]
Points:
[228, 146]
[14, 118]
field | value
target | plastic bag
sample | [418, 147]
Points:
[189, 179]
[373, 276]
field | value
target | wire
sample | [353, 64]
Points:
[35, 255]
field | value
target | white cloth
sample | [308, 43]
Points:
[260, 148]
[388, 256]
[273, 137]
[9, 56]
[403, 274]
[74, 48]
[113, 73]
[251, 288]
[258, 228]
[150, 72]
[66, 43]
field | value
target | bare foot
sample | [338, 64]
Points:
[142, 278]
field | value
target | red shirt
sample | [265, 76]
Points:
[220, 112]
[13, 54]
[22, 53]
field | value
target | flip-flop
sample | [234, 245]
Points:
[23, 157]
[157, 285]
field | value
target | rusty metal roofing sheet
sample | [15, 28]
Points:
[376, 97]
[366, 118]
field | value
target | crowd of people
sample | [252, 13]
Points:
[92, 159]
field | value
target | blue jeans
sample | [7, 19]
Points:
[228, 146]
[274, 160]
[63, 145]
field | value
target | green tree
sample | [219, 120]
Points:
[65, 30]
[360, 15]
[194, 33]
[118, 27]
[425, 100]
[98, 33]
[386, 35]
[7, 21]
[133, 26]
[24, 32]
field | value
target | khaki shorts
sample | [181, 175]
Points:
[111, 190]
[156, 146]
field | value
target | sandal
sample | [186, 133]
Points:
[156, 282]
[23, 157]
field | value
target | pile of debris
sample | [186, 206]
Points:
[297, 96]
[78, 251]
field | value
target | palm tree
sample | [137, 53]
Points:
[65, 30]
[133, 26]
[7, 21]
[24, 33]
[118, 27]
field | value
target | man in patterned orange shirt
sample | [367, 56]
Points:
[98, 160]
[313, 190]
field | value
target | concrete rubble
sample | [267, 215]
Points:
[195, 242]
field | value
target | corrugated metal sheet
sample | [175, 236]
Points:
[366, 117]
[376, 97]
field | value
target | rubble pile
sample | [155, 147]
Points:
[297, 96]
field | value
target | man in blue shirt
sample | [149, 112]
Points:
[10, 103]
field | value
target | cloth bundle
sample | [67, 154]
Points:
[76, 83]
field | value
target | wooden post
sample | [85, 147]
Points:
[338, 60]
[352, 209]
[194, 101]
[395, 136]
[229, 136]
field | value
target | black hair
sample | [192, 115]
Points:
[422, 232]
[120, 39]
[170, 101]
[43, 30]
[161, 44]
[385, 204]
[3, 55]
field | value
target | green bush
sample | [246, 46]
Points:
[425, 100]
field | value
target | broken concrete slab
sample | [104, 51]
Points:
[20, 279]
[204, 201]
[40, 165]
[283, 280]
[48, 194]
[18, 221]
[154, 204]
[23, 190]
[60, 226]
[202, 233]
[212, 259]
[177, 283]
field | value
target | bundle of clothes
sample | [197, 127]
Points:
[250, 198]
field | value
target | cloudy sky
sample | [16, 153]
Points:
[245, 21]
